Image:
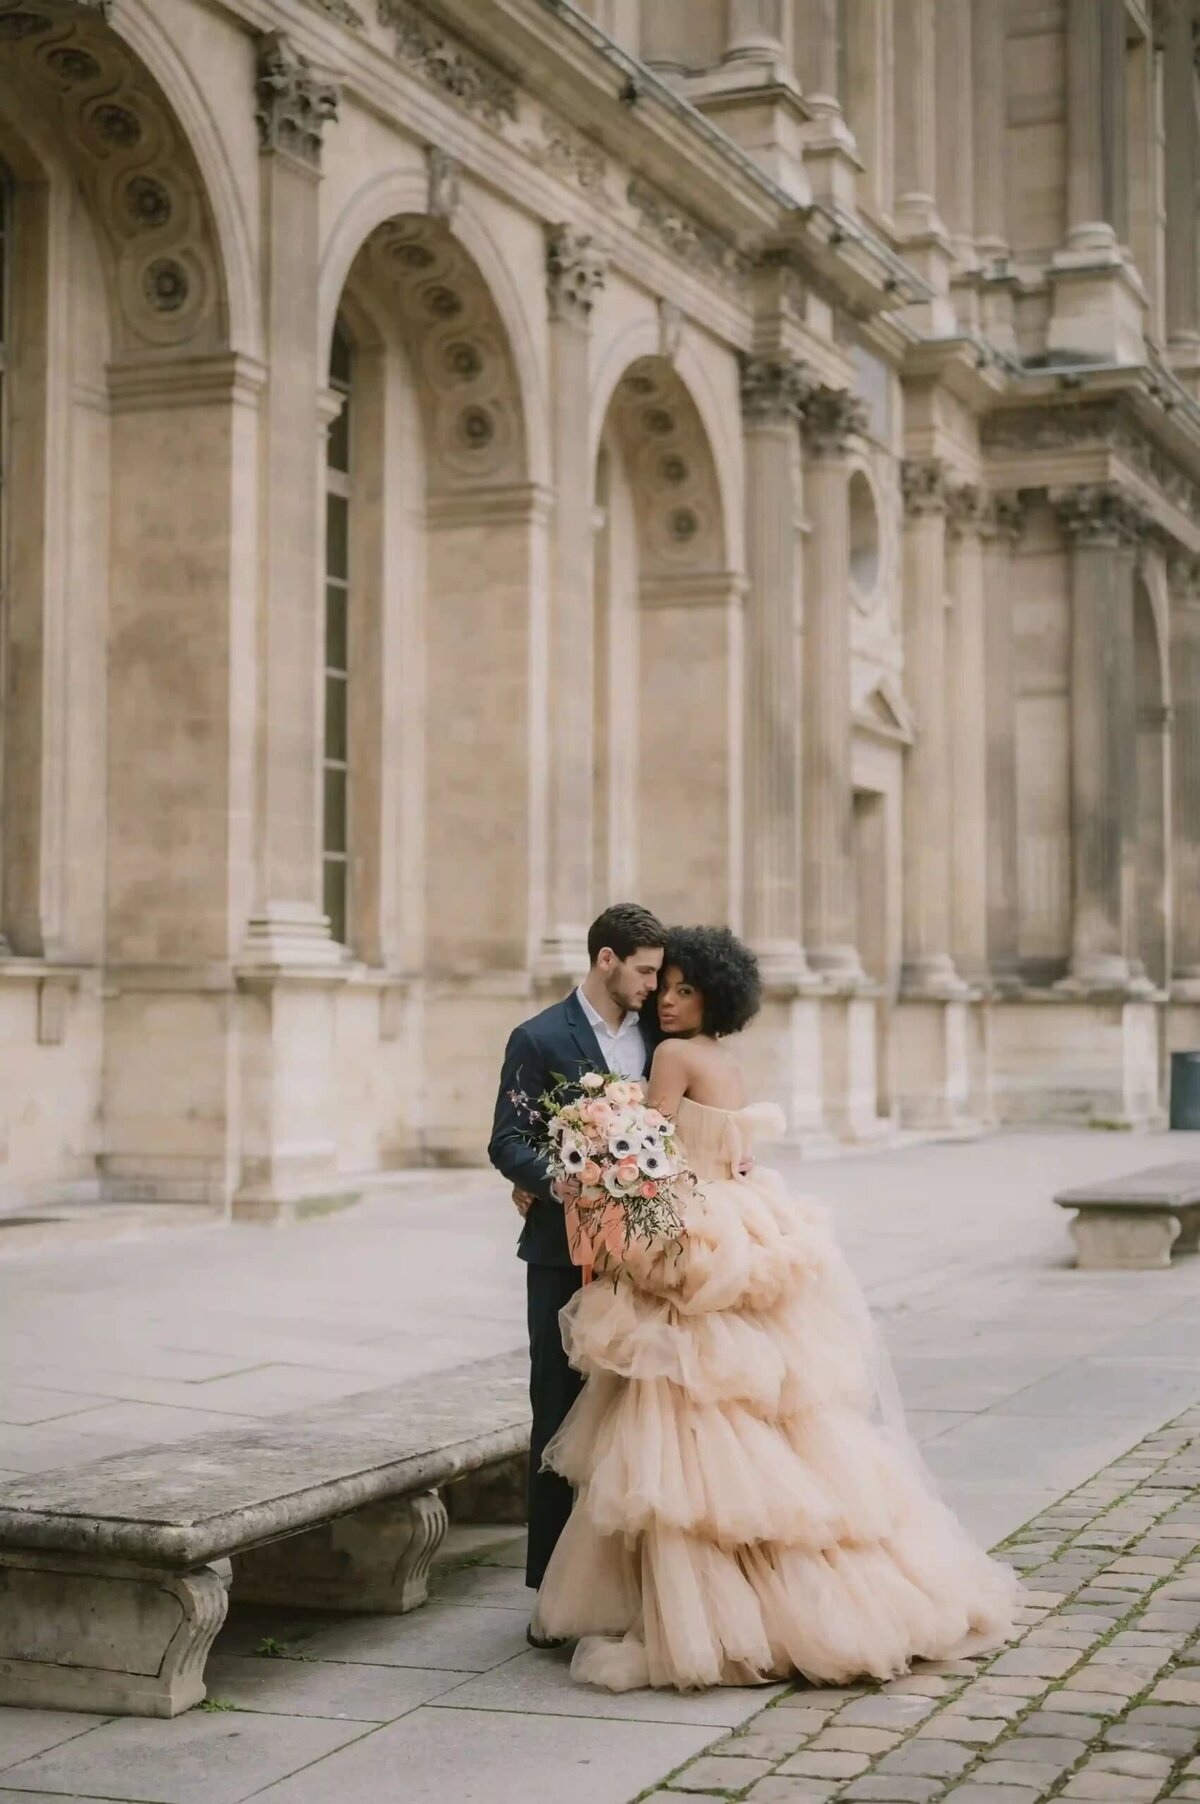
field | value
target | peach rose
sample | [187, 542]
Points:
[590, 1175]
[627, 1170]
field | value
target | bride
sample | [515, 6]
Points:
[747, 1506]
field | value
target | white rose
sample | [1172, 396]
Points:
[592, 1080]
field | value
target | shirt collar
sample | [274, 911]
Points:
[599, 1024]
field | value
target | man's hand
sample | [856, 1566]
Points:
[522, 1201]
[565, 1189]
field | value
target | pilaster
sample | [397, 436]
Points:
[966, 690]
[1002, 526]
[1185, 770]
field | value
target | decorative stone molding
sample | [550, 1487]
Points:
[924, 486]
[671, 472]
[831, 418]
[565, 151]
[444, 174]
[575, 271]
[294, 103]
[341, 10]
[1099, 514]
[463, 74]
[966, 509]
[670, 330]
[775, 390]
[680, 233]
[1004, 517]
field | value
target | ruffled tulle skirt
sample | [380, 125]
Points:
[748, 1506]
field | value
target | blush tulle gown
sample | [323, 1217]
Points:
[749, 1505]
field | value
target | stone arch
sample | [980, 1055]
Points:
[668, 634]
[392, 211]
[1151, 780]
[136, 168]
[450, 484]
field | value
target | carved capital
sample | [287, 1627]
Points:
[443, 183]
[967, 509]
[295, 103]
[1005, 517]
[832, 417]
[1099, 514]
[1183, 577]
[774, 390]
[575, 271]
[924, 485]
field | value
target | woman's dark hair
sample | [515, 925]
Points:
[715, 962]
[624, 928]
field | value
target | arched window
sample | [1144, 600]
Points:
[338, 497]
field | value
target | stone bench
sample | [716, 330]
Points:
[114, 1575]
[1132, 1223]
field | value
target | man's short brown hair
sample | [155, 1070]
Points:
[624, 928]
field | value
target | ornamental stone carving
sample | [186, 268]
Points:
[774, 390]
[832, 417]
[341, 10]
[680, 233]
[294, 102]
[924, 486]
[966, 509]
[1099, 514]
[476, 85]
[444, 183]
[575, 272]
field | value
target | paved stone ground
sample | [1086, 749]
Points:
[1022, 1376]
[1098, 1699]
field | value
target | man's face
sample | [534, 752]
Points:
[631, 981]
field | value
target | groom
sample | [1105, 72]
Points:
[598, 1028]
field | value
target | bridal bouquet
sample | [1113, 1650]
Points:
[626, 1178]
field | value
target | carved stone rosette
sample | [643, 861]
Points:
[575, 271]
[774, 390]
[294, 102]
[1100, 514]
[924, 486]
[832, 417]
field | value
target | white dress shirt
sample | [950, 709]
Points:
[622, 1049]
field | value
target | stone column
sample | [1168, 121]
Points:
[1097, 197]
[818, 30]
[773, 393]
[989, 54]
[575, 269]
[755, 31]
[1182, 180]
[916, 118]
[966, 692]
[1098, 522]
[1002, 530]
[955, 122]
[928, 968]
[288, 925]
[1185, 779]
[832, 417]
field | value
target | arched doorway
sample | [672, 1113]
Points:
[668, 647]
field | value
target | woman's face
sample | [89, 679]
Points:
[680, 1004]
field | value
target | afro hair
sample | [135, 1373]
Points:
[725, 972]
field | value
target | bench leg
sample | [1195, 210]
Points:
[1107, 1240]
[1189, 1233]
[115, 1639]
[375, 1560]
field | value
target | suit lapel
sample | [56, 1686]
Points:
[583, 1035]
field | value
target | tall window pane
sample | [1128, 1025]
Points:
[338, 573]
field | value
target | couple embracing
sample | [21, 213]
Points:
[717, 1493]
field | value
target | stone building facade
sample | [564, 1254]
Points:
[464, 461]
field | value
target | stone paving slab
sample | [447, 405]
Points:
[1107, 1712]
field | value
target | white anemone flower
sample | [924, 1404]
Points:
[623, 1145]
[654, 1164]
[615, 1184]
[573, 1153]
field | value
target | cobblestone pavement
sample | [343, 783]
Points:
[1098, 1699]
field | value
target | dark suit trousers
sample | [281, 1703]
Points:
[553, 1387]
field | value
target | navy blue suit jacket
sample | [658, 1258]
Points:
[560, 1040]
